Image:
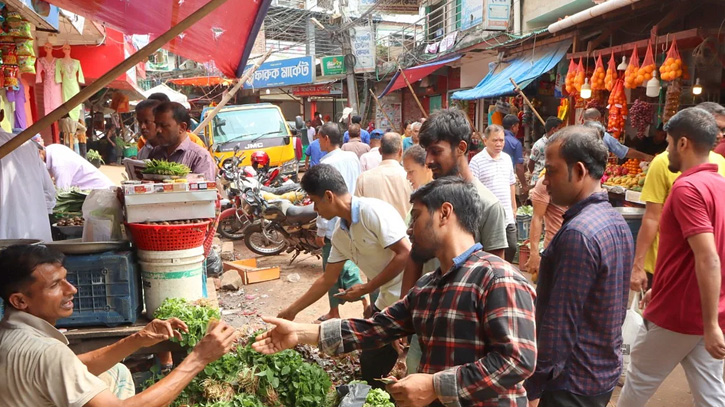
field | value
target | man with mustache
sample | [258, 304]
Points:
[39, 369]
[446, 137]
[474, 314]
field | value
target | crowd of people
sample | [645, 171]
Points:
[432, 229]
[479, 333]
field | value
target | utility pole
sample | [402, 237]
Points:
[350, 70]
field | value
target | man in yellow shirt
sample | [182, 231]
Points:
[656, 189]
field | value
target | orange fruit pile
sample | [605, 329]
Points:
[671, 69]
[598, 78]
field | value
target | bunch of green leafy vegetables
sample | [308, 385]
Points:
[196, 317]
[269, 380]
[162, 167]
[378, 398]
[69, 200]
[297, 383]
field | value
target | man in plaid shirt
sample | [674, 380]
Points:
[475, 320]
[583, 280]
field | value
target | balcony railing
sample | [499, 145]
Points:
[442, 19]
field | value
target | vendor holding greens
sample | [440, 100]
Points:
[474, 315]
[39, 369]
[173, 143]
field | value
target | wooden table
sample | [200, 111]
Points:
[82, 340]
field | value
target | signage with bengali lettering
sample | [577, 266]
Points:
[285, 72]
[324, 89]
[363, 47]
[471, 13]
[334, 65]
[497, 15]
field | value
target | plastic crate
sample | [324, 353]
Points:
[108, 287]
[170, 237]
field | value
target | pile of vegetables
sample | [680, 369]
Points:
[378, 398]
[71, 221]
[162, 167]
[244, 377]
[69, 201]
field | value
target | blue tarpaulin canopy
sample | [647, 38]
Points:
[523, 70]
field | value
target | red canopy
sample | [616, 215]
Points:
[414, 74]
[225, 36]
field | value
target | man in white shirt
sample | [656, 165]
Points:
[494, 169]
[310, 132]
[372, 158]
[69, 169]
[388, 181]
[23, 203]
[347, 163]
[371, 234]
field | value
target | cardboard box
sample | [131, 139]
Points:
[247, 269]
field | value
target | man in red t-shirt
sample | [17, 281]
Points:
[686, 306]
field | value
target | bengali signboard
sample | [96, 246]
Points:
[363, 47]
[285, 72]
[471, 13]
[497, 15]
[324, 89]
[334, 65]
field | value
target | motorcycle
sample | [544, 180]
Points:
[283, 226]
[240, 208]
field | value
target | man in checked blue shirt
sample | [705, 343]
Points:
[583, 280]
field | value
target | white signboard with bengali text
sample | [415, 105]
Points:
[363, 47]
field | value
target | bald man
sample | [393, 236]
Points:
[388, 180]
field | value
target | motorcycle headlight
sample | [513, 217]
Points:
[290, 166]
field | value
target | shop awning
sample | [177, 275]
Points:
[523, 70]
[200, 81]
[414, 74]
[225, 36]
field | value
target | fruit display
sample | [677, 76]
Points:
[641, 115]
[569, 80]
[645, 72]
[617, 110]
[579, 77]
[630, 175]
[673, 67]
[630, 74]
[611, 75]
[598, 75]
[672, 100]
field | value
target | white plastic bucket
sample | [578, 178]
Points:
[171, 274]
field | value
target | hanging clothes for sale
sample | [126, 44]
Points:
[69, 74]
[7, 122]
[18, 97]
[52, 96]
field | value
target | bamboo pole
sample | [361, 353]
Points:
[420, 106]
[528, 102]
[107, 78]
[380, 106]
[232, 91]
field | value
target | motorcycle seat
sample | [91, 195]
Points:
[301, 214]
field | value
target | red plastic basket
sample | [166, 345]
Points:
[169, 237]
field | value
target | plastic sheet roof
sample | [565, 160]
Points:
[523, 70]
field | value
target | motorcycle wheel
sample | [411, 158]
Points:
[231, 228]
[259, 243]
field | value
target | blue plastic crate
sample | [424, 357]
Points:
[108, 290]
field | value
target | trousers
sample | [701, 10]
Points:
[377, 363]
[657, 351]
[561, 398]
